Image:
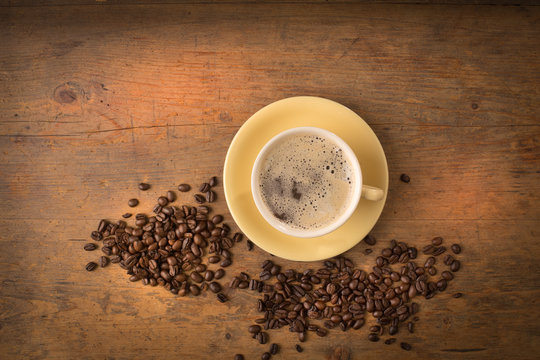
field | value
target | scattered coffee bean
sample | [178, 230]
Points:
[405, 178]
[210, 196]
[368, 251]
[171, 196]
[405, 346]
[456, 249]
[90, 247]
[184, 187]
[103, 261]
[97, 236]
[249, 244]
[199, 198]
[238, 237]
[373, 337]
[298, 348]
[238, 357]
[91, 266]
[266, 356]
[213, 181]
[457, 295]
[254, 329]
[390, 341]
[162, 201]
[455, 266]
[127, 215]
[274, 349]
[436, 241]
[133, 202]
[370, 240]
[221, 297]
[144, 186]
[219, 274]
[217, 219]
[214, 287]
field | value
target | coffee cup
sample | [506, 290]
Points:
[306, 182]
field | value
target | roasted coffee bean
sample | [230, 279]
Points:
[238, 357]
[162, 201]
[214, 287]
[90, 247]
[199, 198]
[373, 337]
[405, 346]
[375, 329]
[91, 266]
[436, 241]
[368, 251]
[194, 289]
[262, 337]
[225, 263]
[217, 219]
[184, 187]
[405, 178]
[213, 181]
[221, 297]
[103, 261]
[249, 244]
[219, 274]
[210, 196]
[238, 237]
[204, 187]
[448, 259]
[266, 356]
[321, 332]
[274, 349]
[429, 262]
[144, 186]
[196, 277]
[447, 275]
[171, 196]
[392, 330]
[254, 329]
[456, 249]
[127, 215]
[370, 240]
[457, 295]
[133, 202]
[428, 249]
[208, 275]
[214, 259]
[455, 266]
[96, 235]
[390, 341]
[298, 348]
[432, 271]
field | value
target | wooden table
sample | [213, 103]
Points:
[96, 97]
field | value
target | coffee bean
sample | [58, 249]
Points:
[225, 263]
[219, 274]
[370, 240]
[91, 266]
[254, 329]
[210, 196]
[410, 327]
[457, 295]
[432, 271]
[213, 181]
[127, 215]
[90, 247]
[456, 249]
[455, 266]
[171, 196]
[204, 187]
[405, 346]
[373, 337]
[103, 261]
[194, 289]
[274, 349]
[214, 287]
[266, 356]
[436, 241]
[298, 348]
[199, 198]
[96, 235]
[144, 186]
[249, 244]
[390, 341]
[238, 357]
[405, 178]
[133, 202]
[393, 330]
[217, 219]
[162, 201]
[262, 337]
[184, 187]
[196, 277]
[368, 251]
[447, 275]
[448, 260]
[221, 297]
[428, 249]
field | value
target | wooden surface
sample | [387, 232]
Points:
[94, 99]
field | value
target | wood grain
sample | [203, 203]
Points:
[94, 99]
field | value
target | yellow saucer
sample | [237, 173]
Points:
[280, 116]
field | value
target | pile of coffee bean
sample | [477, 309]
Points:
[173, 248]
[338, 295]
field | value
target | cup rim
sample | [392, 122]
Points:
[356, 194]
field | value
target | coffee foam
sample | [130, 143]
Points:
[306, 181]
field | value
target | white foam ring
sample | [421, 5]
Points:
[306, 181]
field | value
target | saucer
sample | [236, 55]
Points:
[264, 125]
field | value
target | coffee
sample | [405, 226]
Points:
[306, 181]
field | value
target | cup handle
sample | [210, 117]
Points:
[372, 193]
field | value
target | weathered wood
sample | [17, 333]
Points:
[94, 99]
